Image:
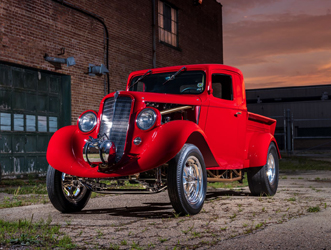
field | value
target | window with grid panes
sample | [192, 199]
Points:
[167, 17]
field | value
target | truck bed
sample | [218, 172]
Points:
[260, 123]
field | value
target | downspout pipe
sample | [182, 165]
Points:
[153, 34]
[99, 19]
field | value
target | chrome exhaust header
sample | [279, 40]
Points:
[99, 151]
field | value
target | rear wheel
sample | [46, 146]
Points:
[187, 180]
[264, 180]
[66, 192]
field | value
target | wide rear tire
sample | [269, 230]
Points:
[264, 180]
[66, 193]
[187, 180]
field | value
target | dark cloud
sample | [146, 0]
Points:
[251, 42]
[242, 5]
[266, 85]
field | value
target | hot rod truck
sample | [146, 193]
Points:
[174, 128]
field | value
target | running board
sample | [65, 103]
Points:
[124, 191]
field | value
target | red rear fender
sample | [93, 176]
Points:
[258, 148]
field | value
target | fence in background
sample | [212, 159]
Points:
[302, 134]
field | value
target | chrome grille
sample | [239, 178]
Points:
[115, 122]
[107, 116]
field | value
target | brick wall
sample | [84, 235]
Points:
[31, 28]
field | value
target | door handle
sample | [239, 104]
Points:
[238, 113]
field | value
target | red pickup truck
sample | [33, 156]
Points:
[174, 128]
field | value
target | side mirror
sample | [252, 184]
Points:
[210, 91]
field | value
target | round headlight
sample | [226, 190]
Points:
[146, 119]
[87, 122]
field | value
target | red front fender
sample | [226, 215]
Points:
[166, 141]
[63, 151]
[159, 145]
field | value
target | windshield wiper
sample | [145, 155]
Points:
[174, 75]
[140, 78]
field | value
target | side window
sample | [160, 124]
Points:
[222, 86]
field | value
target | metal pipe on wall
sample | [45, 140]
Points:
[99, 19]
[153, 34]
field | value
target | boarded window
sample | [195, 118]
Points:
[30, 121]
[167, 18]
[5, 122]
[18, 122]
[42, 123]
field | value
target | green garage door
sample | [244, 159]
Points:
[33, 105]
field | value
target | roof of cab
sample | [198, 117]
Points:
[189, 67]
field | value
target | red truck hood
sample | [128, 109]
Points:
[164, 98]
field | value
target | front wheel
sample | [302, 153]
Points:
[187, 180]
[264, 180]
[66, 192]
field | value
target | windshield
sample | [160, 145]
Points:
[187, 82]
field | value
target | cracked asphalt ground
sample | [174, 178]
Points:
[229, 219]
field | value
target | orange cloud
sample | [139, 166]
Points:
[312, 68]
[325, 66]
[253, 42]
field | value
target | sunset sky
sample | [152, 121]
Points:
[278, 43]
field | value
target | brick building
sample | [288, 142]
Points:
[37, 97]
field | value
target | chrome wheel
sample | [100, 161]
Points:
[67, 193]
[187, 180]
[271, 168]
[193, 180]
[73, 189]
